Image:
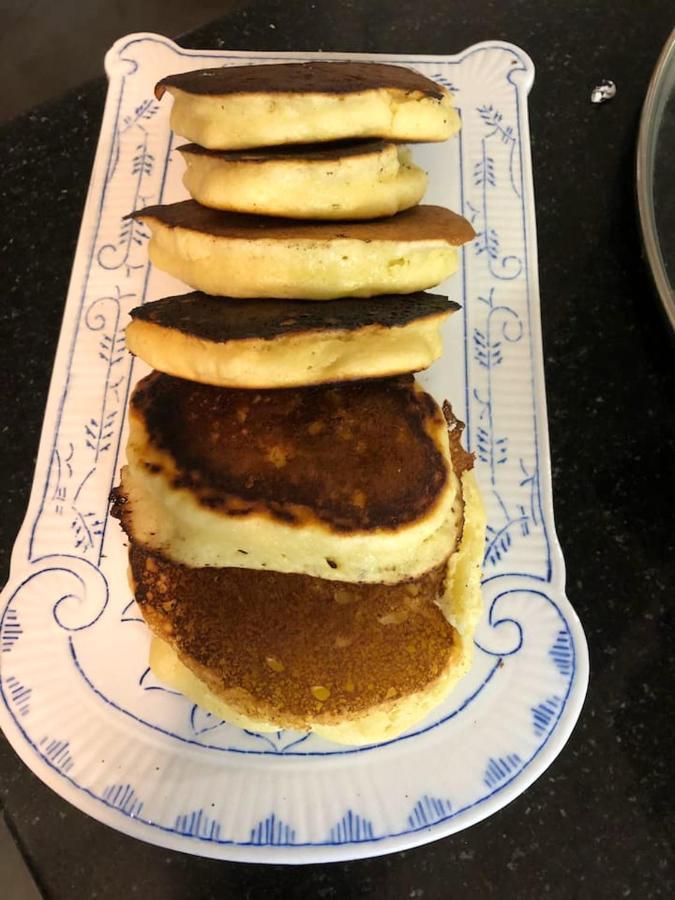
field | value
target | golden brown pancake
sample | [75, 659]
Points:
[234, 107]
[237, 255]
[297, 646]
[354, 663]
[284, 343]
[338, 180]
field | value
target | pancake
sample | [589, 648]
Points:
[349, 482]
[285, 343]
[353, 663]
[236, 107]
[347, 180]
[244, 256]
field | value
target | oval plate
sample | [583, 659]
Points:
[78, 702]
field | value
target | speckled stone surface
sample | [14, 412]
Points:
[599, 822]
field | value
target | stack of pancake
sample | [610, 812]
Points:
[304, 526]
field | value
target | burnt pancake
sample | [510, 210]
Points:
[349, 481]
[284, 343]
[233, 107]
[354, 662]
[339, 180]
[277, 449]
[231, 254]
[301, 78]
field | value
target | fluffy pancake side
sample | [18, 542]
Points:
[237, 107]
[238, 255]
[276, 343]
[349, 180]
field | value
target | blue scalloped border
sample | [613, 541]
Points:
[497, 784]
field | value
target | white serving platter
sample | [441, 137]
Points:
[77, 700]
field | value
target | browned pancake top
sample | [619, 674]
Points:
[356, 456]
[329, 151]
[301, 78]
[223, 319]
[300, 646]
[421, 223]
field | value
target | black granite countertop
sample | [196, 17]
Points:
[596, 824]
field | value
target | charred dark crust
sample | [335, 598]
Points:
[224, 319]
[332, 78]
[462, 460]
[358, 456]
[331, 151]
